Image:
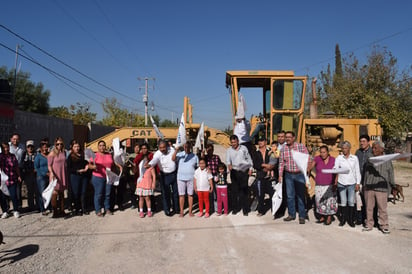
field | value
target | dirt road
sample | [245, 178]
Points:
[125, 243]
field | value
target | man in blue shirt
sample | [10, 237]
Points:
[187, 163]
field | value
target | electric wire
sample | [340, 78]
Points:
[64, 63]
[58, 74]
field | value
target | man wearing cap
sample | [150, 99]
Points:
[29, 174]
[262, 167]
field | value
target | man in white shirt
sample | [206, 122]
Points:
[281, 139]
[163, 159]
[240, 166]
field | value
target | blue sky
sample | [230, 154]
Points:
[189, 45]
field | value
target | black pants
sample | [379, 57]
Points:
[263, 186]
[239, 190]
[168, 185]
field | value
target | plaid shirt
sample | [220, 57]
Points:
[286, 162]
[9, 165]
[212, 163]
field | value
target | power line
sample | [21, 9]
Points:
[91, 35]
[121, 38]
[65, 64]
[58, 74]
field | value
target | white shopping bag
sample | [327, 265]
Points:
[89, 155]
[112, 178]
[3, 185]
[277, 198]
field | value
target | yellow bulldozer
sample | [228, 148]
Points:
[283, 105]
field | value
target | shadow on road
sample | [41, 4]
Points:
[16, 254]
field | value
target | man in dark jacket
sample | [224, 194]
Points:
[363, 154]
[262, 166]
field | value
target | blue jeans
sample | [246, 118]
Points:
[346, 194]
[295, 186]
[13, 188]
[42, 183]
[99, 184]
[167, 181]
[79, 187]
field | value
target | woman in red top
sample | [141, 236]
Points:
[58, 170]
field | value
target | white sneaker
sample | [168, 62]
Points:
[16, 214]
[5, 215]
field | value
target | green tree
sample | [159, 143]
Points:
[118, 116]
[79, 113]
[168, 123]
[28, 96]
[375, 89]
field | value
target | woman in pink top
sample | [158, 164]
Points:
[58, 170]
[325, 190]
[102, 189]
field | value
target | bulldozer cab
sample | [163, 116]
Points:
[282, 105]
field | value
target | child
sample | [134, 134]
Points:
[145, 189]
[203, 186]
[221, 189]
[273, 158]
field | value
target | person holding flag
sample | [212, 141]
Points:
[293, 177]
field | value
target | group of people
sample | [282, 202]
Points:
[37, 168]
[362, 187]
[351, 195]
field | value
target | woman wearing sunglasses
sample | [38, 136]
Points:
[58, 170]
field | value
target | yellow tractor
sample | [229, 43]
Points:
[283, 104]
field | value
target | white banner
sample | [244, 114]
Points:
[181, 135]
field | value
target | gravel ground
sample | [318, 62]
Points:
[124, 243]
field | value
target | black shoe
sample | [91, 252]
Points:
[302, 221]
[289, 218]
[245, 213]
[234, 212]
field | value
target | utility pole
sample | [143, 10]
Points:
[146, 95]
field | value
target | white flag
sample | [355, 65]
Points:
[158, 133]
[378, 160]
[301, 160]
[181, 135]
[200, 139]
[3, 186]
[241, 107]
[119, 156]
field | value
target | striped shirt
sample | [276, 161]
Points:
[286, 162]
